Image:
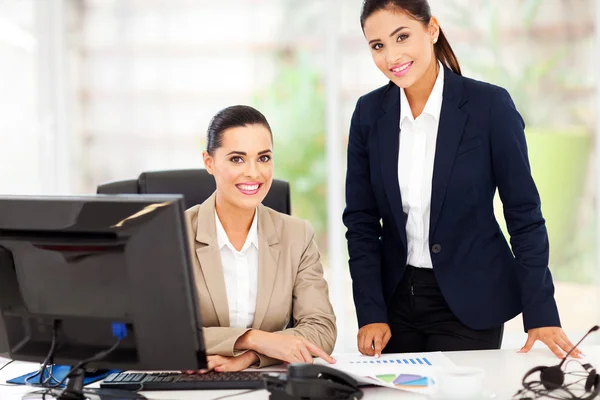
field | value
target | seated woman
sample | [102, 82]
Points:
[255, 267]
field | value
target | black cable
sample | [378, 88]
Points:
[50, 357]
[49, 389]
[51, 377]
[237, 394]
[48, 360]
[4, 366]
[96, 357]
[7, 364]
[46, 382]
[102, 393]
[565, 392]
[41, 393]
[49, 370]
[559, 394]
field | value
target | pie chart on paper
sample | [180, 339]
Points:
[408, 381]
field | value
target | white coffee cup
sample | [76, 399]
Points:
[457, 383]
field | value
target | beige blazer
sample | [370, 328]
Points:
[290, 281]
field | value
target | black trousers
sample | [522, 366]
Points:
[421, 320]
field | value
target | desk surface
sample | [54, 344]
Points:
[504, 371]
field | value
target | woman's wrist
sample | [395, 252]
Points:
[245, 341]
[254, 358]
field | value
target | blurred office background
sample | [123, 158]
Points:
[100, 90]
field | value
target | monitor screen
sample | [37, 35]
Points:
[73, 267]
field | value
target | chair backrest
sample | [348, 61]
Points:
[196, 185]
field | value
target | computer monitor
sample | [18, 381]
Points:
[75, 271]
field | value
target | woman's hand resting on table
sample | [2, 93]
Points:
[287, 348]
[553, 337]
[228, 364]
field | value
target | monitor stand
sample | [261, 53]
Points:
[74, 390]
[74, 386]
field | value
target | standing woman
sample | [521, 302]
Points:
[430, 266]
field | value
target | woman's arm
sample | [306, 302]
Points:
[312, 310]
[313, 315]
[222, 340]
[522, 212]
[362, 218]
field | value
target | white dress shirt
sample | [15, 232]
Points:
[415, 170]
[240, 269]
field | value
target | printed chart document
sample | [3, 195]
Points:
[398, 371]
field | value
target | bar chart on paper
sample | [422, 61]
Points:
[366, 363]
[402, 361]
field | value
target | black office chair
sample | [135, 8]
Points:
[196, 185]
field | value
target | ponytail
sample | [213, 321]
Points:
[444, 53]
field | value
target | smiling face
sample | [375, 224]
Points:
[401, 46]
[242, 166]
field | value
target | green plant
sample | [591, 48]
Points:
[294, 105]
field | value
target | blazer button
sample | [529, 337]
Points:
[436, 248]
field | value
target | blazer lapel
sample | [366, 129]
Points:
[451, 127]
[210, 259]
[268, 257]
[388, 133]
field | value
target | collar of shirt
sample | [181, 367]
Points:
[433, 107]
[251, 239]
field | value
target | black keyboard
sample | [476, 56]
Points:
[178, 381]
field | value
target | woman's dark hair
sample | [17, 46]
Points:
[419, 10]
[232, 117]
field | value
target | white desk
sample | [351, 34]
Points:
[504, 371]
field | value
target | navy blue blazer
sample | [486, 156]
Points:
[480, 147]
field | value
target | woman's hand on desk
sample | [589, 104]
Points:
[553, 337]
[228, 364]
[232, 364]
[287, 348]
[373, 338]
